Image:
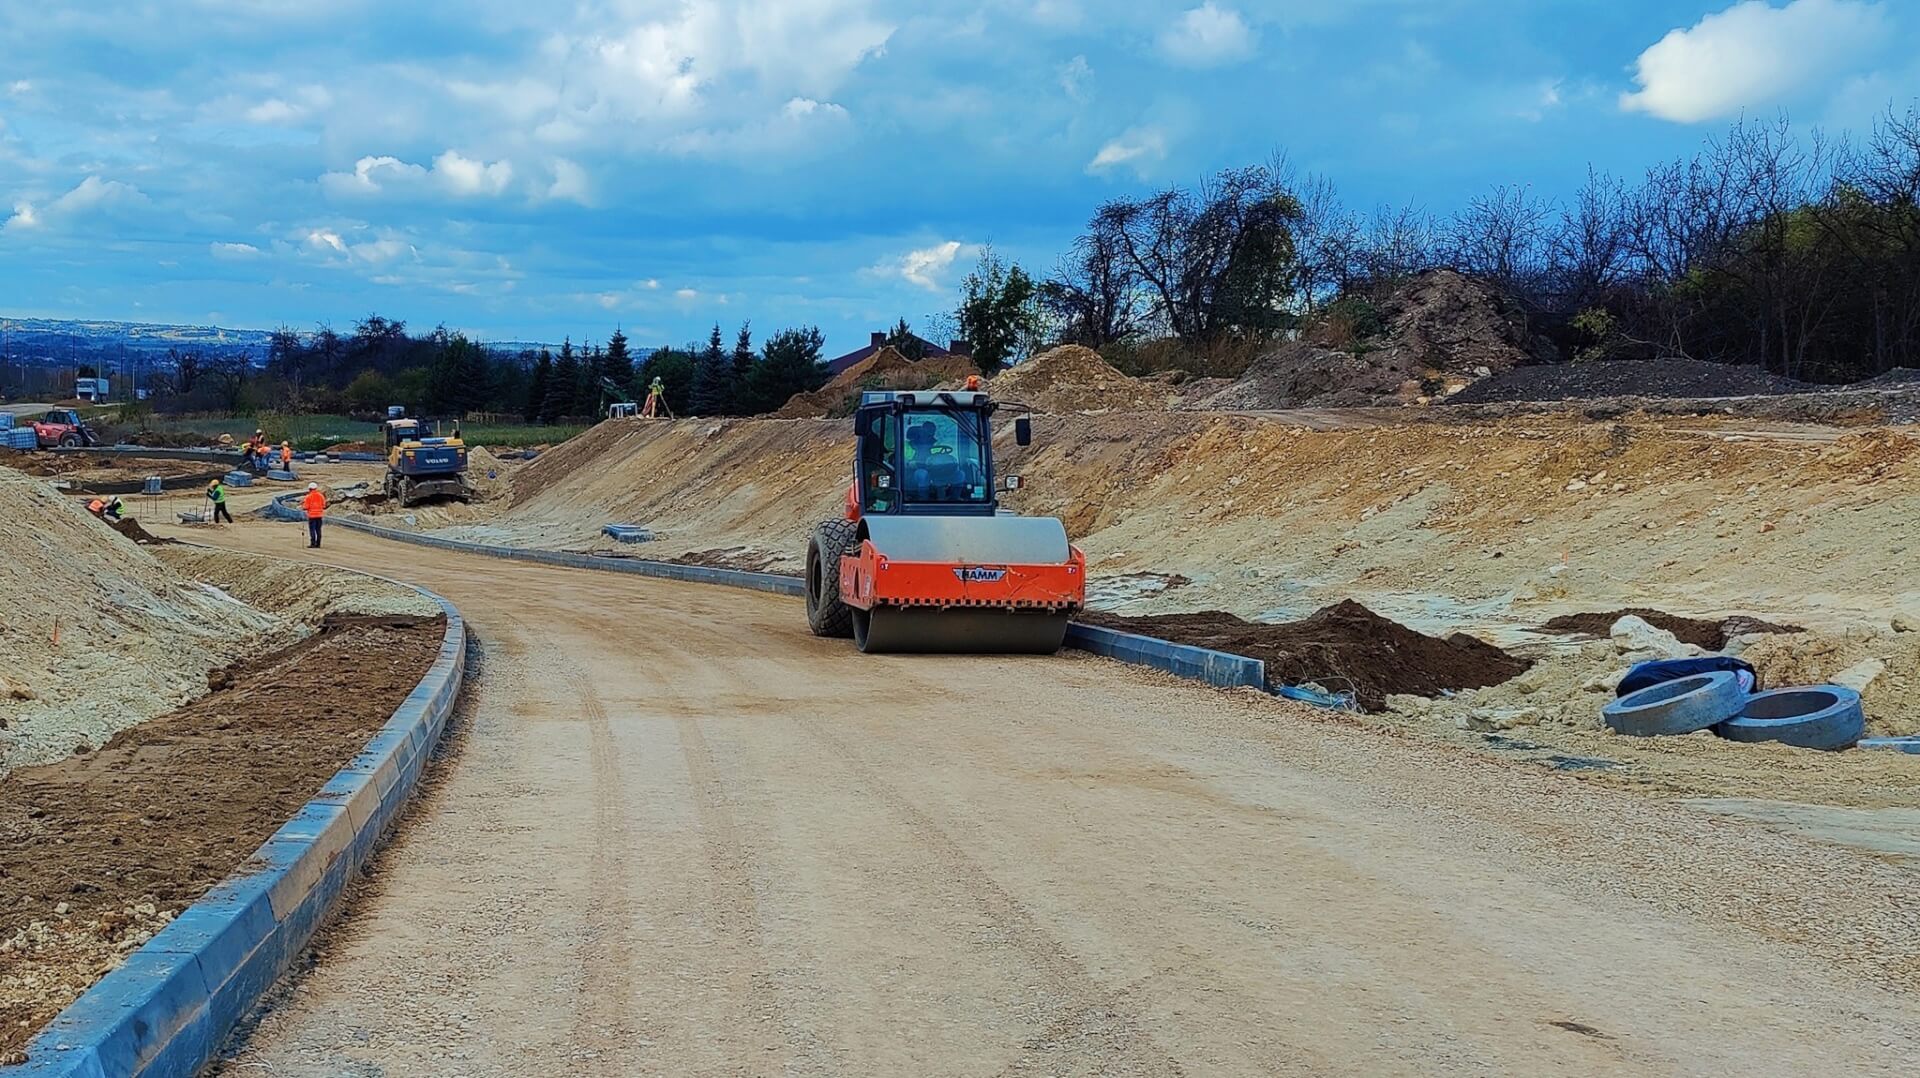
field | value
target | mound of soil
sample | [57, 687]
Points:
[1701, 633]
[1667, 379]
[1897, 378]
[153, 439]
[885, 369]
[131, 528]
[1344, 647]
[1300, 374]
[100, 850]
[355, 447]
[1442, 331]
[1075, 379]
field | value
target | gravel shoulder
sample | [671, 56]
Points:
[99, 851]
[686, 837]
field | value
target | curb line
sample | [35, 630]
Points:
[1216, 668]
[1910, 745]
[165, 1012]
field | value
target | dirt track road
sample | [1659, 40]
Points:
[684, 837]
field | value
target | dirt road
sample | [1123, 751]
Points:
[684, 837]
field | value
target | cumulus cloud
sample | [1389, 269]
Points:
[466, 176]
[1138, 147]
[452, 172]
[19, 86]
[569, 183]
[321, 239]
[926, 267]
[1751, 54]
[1208, 36]
[662, 72]
[801, 125]
[291, 108]
[233, 252]
[89, 197]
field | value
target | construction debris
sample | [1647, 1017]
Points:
[1344, 648]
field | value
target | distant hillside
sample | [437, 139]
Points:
[50, 339]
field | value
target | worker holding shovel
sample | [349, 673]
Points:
[217, 494]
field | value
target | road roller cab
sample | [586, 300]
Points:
[925, 559]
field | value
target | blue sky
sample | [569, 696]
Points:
[527, 171]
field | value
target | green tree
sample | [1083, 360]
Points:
[743, 361]
[458, 377]
[562, 383]
[713, 379]
[791, 364]
[370, 391]
[619, 361]
[536, 404]
[999, 313]
[906, 342]
[674, 368]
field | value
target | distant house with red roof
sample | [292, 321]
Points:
[879, 341]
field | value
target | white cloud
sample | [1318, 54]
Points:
[321, 239]
[233, 252]
[89, 197]
[452, 172]
[926, 266]
[1136, 147]
[272, 111]
[1074, 76]
[569, 183]
[651, 284]
[1751, 54]
[19, 86]
[801, 125]
[371, 174]
[466, 176]
[686, 295]
[1208, 36]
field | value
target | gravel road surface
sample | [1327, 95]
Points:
[684, 837]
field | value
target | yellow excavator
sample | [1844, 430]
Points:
[421, 466]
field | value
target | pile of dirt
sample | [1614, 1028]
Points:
[885, 369]
[354, 447]
[1444, 322]
[1300, 374]
[745, 559]
[96, 634]
[1343, 648]
[1700, 632]
[1075, 379]
[1897, 378]
[487, 473]
[295, 590]
[1660, 379]
[131, 528]
[153, 439]
[1566, 690]
[103, 849]
[1883, 665]
[1441, 332]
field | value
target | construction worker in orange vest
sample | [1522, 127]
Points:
[315, 503]
[286, 456]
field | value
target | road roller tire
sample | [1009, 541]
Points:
[827, 614]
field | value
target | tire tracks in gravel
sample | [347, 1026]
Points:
[1084, 1028]
[605, 952]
